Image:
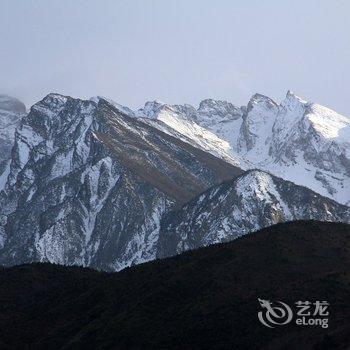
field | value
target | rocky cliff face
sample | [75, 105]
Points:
[88, 185]
[297, 140]
[11, 111]
[91, 182]
[252, 201]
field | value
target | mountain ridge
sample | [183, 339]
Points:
[90, 181]
[247, 203]
[72, 197]
[295, 140]
[11, 111]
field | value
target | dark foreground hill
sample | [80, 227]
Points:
[204, 299]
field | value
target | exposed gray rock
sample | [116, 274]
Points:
[297, 140]
[88, 185]
[89, 182]
[248, 203]
[11, 111]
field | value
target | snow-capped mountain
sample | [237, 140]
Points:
[212, 127]
[245, 204]
[300, 141]
[88, 185]
[11, 111]
[90, 182]
[297, 140]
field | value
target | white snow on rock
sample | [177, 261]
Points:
[181, 122]
[248, 203]
[297, 140]
[11, 112]
[63, 167]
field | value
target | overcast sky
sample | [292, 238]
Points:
[177, 51]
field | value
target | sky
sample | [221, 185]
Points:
[179, 51]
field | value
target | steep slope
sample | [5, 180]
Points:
[88, 185]
[11, 110]
[200, 130]
[88, 182]
[252, 201]
[297, 140]
[300, 141]
[204, 299]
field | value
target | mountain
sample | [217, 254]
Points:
[92, 182]
[88, 185]
[203, 128]
[11, 111]
[203, 299]
[254, 200]
[300, 141]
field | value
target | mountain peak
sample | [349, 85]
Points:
[55, 96]
[292, 98]
[150, 109]
[76, 164]
[216, 105]
[209, 102]
[120, 108]
[290, 93]
[252, 200]
[254, 180]
[156, 103]
[51, 101]
[261, 99]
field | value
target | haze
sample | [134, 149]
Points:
[176, 51]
